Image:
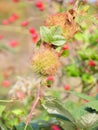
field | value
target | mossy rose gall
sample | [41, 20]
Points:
[45, 62]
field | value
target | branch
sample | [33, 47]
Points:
[76, 4]
[33, 108]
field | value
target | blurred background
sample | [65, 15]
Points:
[20, 21]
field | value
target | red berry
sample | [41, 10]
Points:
[5, 22]
[6, 83]
[39, 5]
[66, 87]
[55, 127]
[15, 1]
[1, 36]
[24, 23]
[13, 43]
[34, 40]
[32, 30]
[65, 47]
[19, 95]
[11, 19]
[41, 8]
[71, 2]
[91, 63]
[35, 37]
[15, 16]
[50, 78]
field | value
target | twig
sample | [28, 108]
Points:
[7, 101]
[76, 4]
[32, 108]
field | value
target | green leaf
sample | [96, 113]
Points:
[88, 53]
[66, 125]
[58, 49]
[45, 34]
[78, 112]
[38, 43]
[21, 126]
[82, 55]
[83, 96]
[87, 121]
[1, 109]
[56, 93]
[79, 36]
[53, 106]
[82, 110]
[87, 78]
[5, 47]
[52, 35]
[58, 40]
[70, 105]
[96, 97]
[56, 30]
[65, 53]
[18, 112]
[84, 117]
[35, 126]
[41, 124]
[2, 126]
[72, 70]
[95, 128]
[93, 105]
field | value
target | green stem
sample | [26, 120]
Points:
[6, 101]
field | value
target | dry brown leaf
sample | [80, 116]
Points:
[66, 21]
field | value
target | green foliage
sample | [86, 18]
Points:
[50, 103]
[88, 54]
[21, 126]
[72, 70]
[87, 78]
[2, 107]
[52, 35]
[70, 105]
[81, 117]
[35, 125]
[6, 48]
[83, 96]
[65, 53]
